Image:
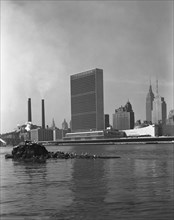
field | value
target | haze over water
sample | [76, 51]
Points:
[139, 185]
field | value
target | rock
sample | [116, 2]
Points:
[34, 152]
[8, 156]
[29, 150]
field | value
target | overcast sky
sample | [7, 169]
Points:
[44, 42]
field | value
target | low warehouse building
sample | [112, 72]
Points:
[41, 134]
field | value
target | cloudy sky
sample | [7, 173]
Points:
[44, 42]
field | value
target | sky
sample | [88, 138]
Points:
[44, 42]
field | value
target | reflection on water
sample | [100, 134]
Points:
[89, 188]
[137, 186]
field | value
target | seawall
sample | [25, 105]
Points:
[127, 140]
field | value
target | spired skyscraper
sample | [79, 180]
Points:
[87, 106]
[159, 113]
[149, 104]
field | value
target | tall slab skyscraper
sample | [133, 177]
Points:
[149, 104]
[87, 106]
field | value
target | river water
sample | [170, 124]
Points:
[139, 185]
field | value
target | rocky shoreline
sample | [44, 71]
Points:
[34, 152]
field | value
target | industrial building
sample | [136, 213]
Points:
[87, 107]
[41, 134]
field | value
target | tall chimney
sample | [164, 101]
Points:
[29, 110]
[43, 114]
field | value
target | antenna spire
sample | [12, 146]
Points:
[150, 86]
[157, 86]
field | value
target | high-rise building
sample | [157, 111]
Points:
[64, 125]
[87, 106]
[168, 128]
[159, 112]
[106, 121]
[53, 126]
[170, 120]
[123, 118]
[149, 104]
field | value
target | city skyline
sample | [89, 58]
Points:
[43, 43]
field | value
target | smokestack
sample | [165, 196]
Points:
[43, 114]
[29, 110]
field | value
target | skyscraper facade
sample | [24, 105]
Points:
[168, 128]
[106, 121]
[87, 106]
[149, 104]
[123, 118]
[159, 113]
